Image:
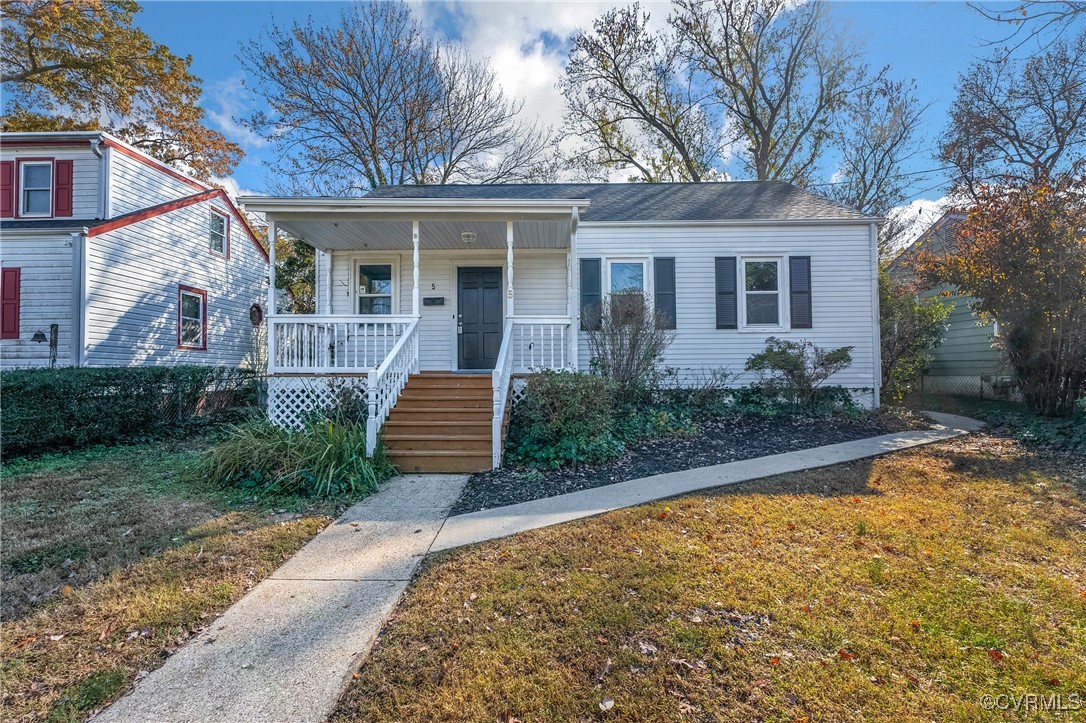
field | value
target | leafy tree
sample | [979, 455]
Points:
[82, 65]
[369, 100]
[1026, 119]
[632, 107]
[910, 328]
[1021, 254]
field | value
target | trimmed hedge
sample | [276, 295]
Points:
[43, 410]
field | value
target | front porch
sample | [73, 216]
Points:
[406, 286]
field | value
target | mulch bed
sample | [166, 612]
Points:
[727, 439]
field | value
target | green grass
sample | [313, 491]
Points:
[114, 556]
[901, 588]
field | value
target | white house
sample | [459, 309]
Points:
[418, 285]
[112, 258]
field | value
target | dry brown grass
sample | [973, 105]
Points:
[903, 588]
[112, 559]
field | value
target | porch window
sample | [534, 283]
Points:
[375, 288]
[762, 292]
[36, 188]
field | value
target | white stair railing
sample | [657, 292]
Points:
[384, 384]
[501, 378]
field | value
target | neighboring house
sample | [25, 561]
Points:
[450, 279]
[112, 258]
[966, 362]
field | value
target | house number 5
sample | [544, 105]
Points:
[433, 286]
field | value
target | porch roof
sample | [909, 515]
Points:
[385, 223]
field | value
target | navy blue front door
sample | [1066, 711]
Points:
[479, 306]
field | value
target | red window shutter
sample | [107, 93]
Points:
[10, 280]
[7, 189]
[62, 188]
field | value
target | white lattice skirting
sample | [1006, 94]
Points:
[292, 399]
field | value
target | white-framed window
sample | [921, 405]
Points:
[375, 286]
[36, 188]
[191, 318]
[219, 233]
[762, 297]
[625, 275]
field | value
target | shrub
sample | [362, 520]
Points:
[564, 417]
[50, 409]
[627, 339]
[910, 328]
[324, 458]
[793, 371]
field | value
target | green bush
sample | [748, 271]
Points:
[324, 458]
[910, 328]
[53, 409]
[564, 418]
[792, 372]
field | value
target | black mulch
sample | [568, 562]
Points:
[724, 440]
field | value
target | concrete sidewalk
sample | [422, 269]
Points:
[286, 650]
[501, 521]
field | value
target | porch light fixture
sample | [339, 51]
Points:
[468, 237]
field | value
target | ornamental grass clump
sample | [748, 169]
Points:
[324, 458]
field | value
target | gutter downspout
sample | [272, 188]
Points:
[79, 299]
[875, 315]
[103, 177]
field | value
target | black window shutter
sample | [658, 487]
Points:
[799, 276]
[664, 291]
[591, 292]
[727, 293]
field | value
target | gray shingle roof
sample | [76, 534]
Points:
[731, 201]
[58, 224]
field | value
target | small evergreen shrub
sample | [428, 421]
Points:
[324, 458]
[68, 408]
[564, 418]
[792, 373]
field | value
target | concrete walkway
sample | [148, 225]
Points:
[501, 521]
[286, 650]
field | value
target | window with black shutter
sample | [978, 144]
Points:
[727, 297]
[591, 292]
[799, 275]
[664, 290]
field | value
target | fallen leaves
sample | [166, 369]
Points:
[607, 704]
[846, 655]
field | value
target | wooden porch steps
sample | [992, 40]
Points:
[442, 423]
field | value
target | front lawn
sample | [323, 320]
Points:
[905, 587]
[113, 557]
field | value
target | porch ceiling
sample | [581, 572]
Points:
[347, 234]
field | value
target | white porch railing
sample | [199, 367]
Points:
[324, 344]
[384, 384]
[529, 343]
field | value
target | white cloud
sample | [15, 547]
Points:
[917, 217]
[224, 102]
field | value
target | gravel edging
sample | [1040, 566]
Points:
[718, 441]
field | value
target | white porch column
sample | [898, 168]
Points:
[415, 269]
[572, 298]
[509, 268]
[270, 313]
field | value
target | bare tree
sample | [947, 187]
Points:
[781, 73]
[1026, 120]
[627, 338]
[369, 100]
[632, 105]
[1032, 19]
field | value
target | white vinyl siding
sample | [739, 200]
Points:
[539, 285]
[133, 278]
[85, 170]
[46, 297]
[136, 185]
[841, 284]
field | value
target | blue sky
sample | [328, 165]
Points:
[932, 42]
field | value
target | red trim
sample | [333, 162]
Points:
[136, 216]
[19, 179]
[10, 297]
[214, 210]
[147, 161]
[63, 183]
[182, 289]
[7, 189]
